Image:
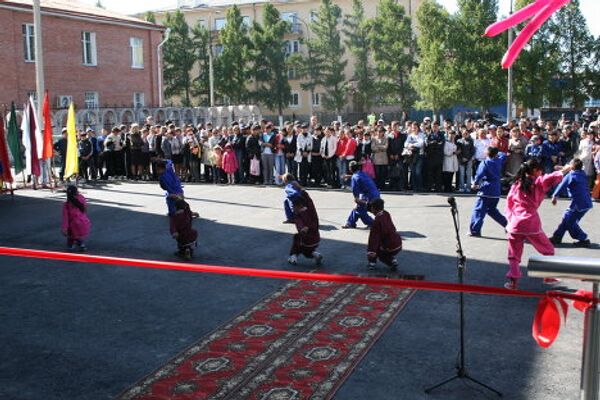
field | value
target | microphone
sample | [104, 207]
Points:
[452, 202]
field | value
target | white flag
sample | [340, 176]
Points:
[25, 139]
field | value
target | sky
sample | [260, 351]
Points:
[588, 7]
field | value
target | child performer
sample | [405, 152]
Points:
[384, 240]
[292, 190]
[525, 197]
[306, 241]
[576, 183]
[364, 191]
[75, 223]
[487, 180]
[182, 231]
[230, 164]
[171, 184]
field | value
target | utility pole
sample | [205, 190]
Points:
[509, 96]
[39, 56]
[160, 67]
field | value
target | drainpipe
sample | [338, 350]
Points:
[160, 69]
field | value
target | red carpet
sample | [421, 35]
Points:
[300, 342]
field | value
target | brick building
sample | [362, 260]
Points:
[93, 56]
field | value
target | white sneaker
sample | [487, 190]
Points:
[318, 258]
[293, 260]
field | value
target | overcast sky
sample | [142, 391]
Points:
[589, 7]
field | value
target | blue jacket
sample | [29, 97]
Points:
[292, 192]
[533, 151]
[169, 181]
[550, 149]
[363, 187]
[488, 176]
[577, 186]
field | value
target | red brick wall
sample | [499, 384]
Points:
[113, 78]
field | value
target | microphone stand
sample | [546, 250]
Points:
[461, 369]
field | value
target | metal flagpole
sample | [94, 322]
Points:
[509, 96]
[39, 65]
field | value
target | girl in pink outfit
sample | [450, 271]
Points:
[75, 223]
[524, 199]
[230, 164]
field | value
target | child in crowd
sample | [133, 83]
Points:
[75, 222]
[306, 241]
[525, 197]
[216, 159]
[534, 148]
[182, 231]
[576, 183]
[384, 241]
[230, 164]
[292, 190]
[487, 181]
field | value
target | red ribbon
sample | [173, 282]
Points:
[551, 311]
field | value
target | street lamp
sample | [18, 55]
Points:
[160, 69]
[311, 72]
[211, 77]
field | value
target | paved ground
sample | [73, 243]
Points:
[71, 331]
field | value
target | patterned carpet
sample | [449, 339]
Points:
[300, 342]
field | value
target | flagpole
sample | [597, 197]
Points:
[39, 55]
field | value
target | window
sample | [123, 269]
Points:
[91, 100]
[292, 46]
[137, 52]
[295, 100]
[292, 73]
[202, 23]
[220, 23]
[88, 43]
[246, 21]
[316, 99]
[289, 17]
[138, 100]
[218, 49]
[314, 15]
[28, 43]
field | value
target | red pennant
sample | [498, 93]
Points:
[550, 315]
[580, 304]
[48, 145]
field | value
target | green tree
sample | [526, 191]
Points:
[576, 47]
[392, 42]
[535, 67]
[150, 17]
[482, 82]
[268, 58]
[201, 83]
[433, 78]
[232, 72]
[327, 51]
[357, 34]
[179, 58]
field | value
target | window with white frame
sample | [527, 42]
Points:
[91, 99]
[202, 23]
[28, 43]
[292, 73]
[220, 23]
[314, 15]
[295, 100]
[292, 46]
[137, 52]
[138, 100]
[246, 21]
[290, 17]
[218, 49]
[88, 45]
[316, 99]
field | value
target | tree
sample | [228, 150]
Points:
[327, 51]
[268, 57]
[482, 82]
[576, 46]
[357, 32]
[150, 17]
[178, 58]
[201, 83]
[392, 43]
[433, 78]
[232, 73]
[99, 4]
[535, 67]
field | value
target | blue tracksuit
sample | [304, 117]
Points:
[169, 181]
[488, 177]
[549, 150]
[576, 183]
[533, 151]
[291, 192]
[363, 188]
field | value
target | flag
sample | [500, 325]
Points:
[71, 166]
[26, 137]
[47, 148]
[36, 139]
[13, 140]
[4, 163]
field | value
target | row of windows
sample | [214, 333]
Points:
[91, 99]
[88, 48]
[291, 17]
[296, 100]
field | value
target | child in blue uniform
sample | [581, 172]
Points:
[170, 183]
[487, 179]
[292, 190]
[364, 191]
[576, 183]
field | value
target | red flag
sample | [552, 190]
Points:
[35, 162]
[47, 149]
[6, 174]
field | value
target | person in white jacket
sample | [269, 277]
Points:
[328, 148]
[303, 157]
[450, 165]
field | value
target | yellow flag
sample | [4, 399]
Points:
[72, 162]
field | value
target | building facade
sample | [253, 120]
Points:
[300, 13]
[92, 56]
